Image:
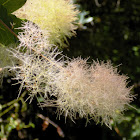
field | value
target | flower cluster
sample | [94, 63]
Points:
[56, 16]
[35, 73]
[94, 91]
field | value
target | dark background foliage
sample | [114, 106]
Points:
[113, 34]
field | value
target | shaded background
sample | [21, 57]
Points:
[108, 30]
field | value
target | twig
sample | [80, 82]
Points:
[118, 3]
[6, 110]
[48, 121]
[97, 3]
[11, 104]
[100, 4]
[46, 58]
[8, 28]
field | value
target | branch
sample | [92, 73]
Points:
[8, 28]
[11, 104]
[47, 121]
[100, 4]
[97, 3]
[118, 3]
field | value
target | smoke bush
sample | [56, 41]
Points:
[31, 37]
[95, 91]
[56, 16]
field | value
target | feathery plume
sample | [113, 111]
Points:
[109, 92]
[95, 91]
[35, 73]
[56, 16]
[31, 37]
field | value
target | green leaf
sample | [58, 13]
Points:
[12, 5]
[31, 124]
[6, 37]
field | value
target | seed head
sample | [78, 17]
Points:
[96, 92]
[110, 93]
[56, 16]
[31, 37]
[35, 73]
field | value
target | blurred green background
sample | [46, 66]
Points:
[108, 30]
